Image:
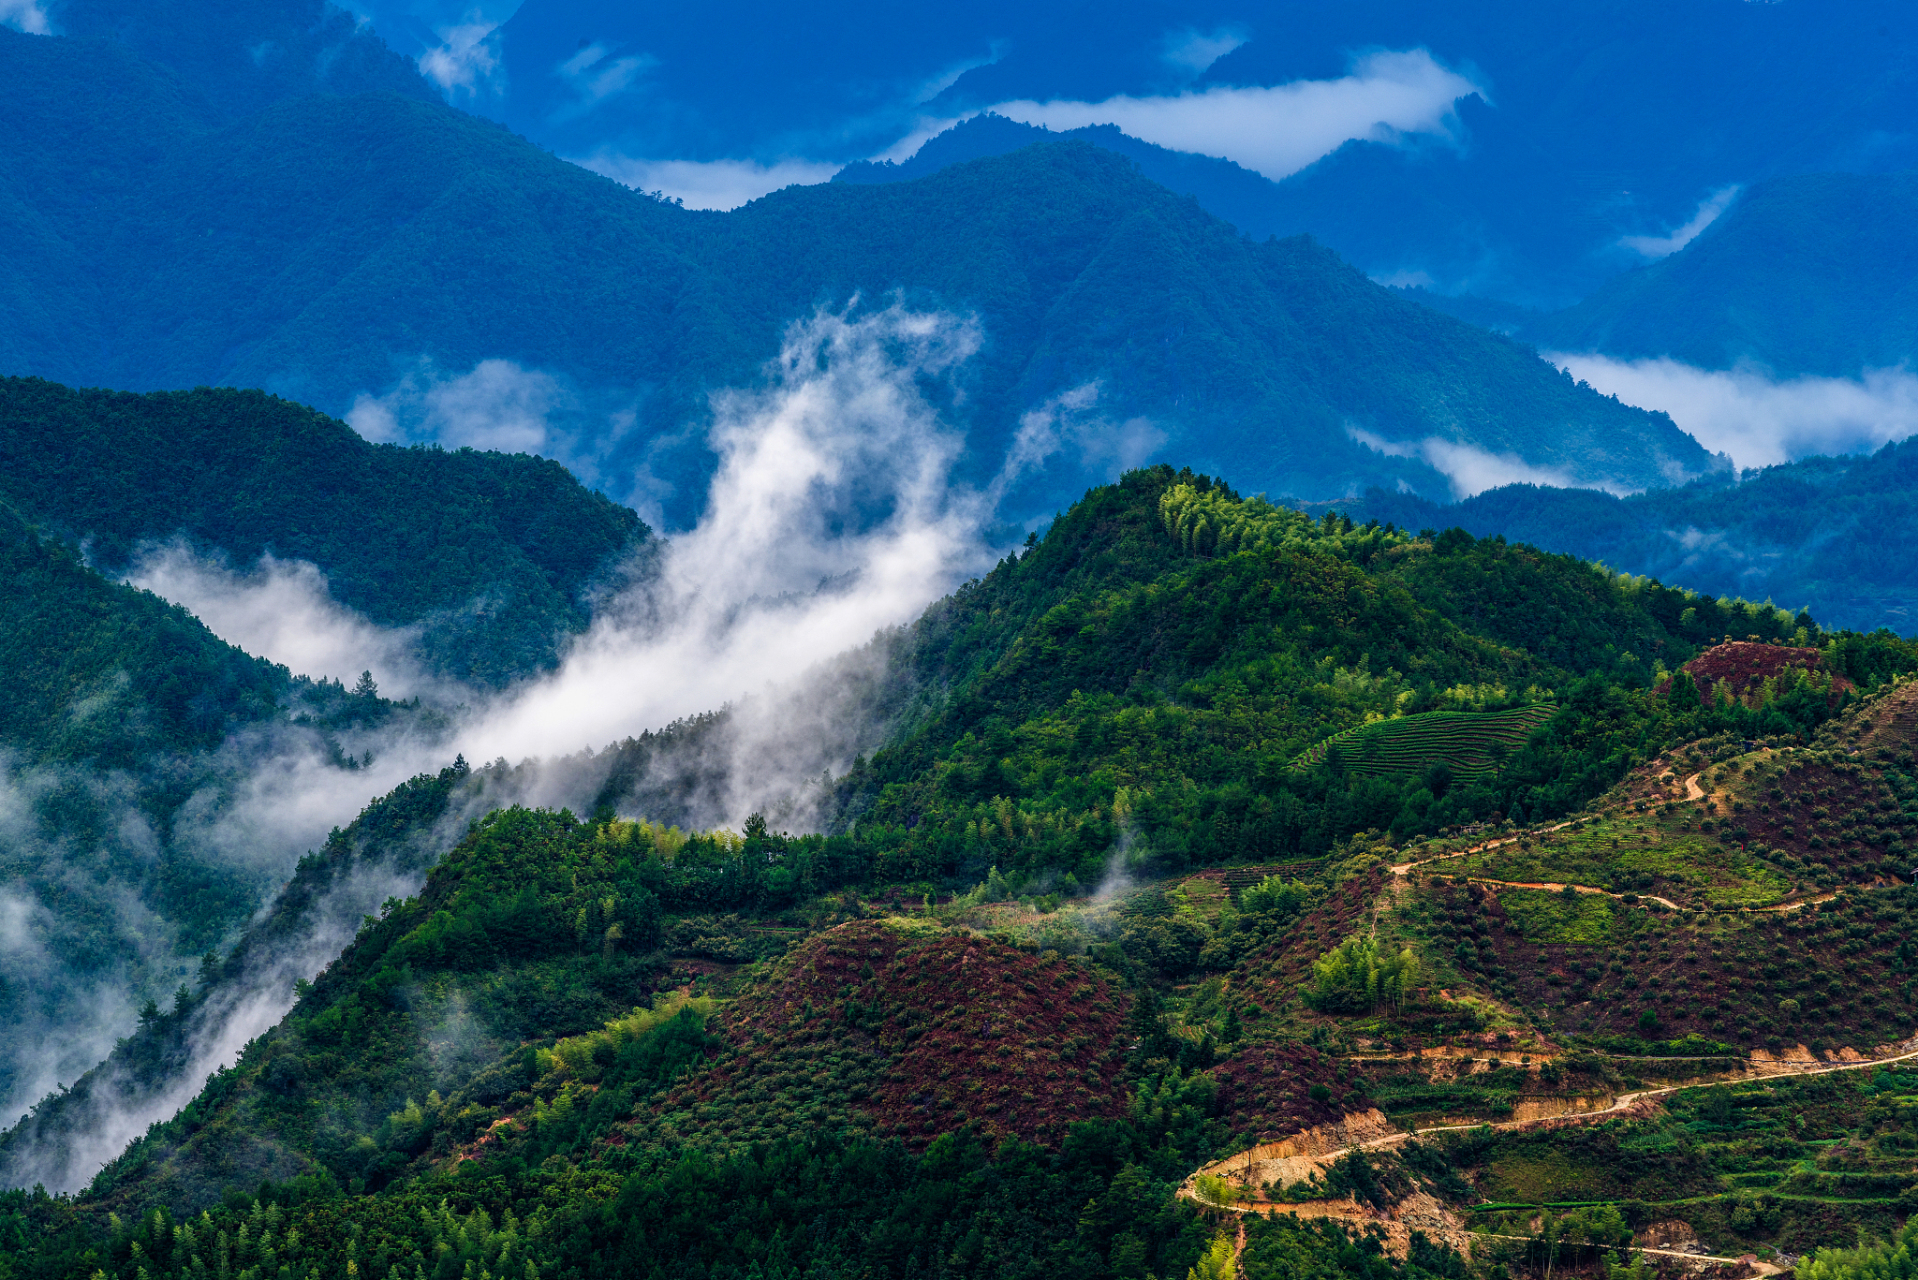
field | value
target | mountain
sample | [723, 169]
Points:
[918, 1045]
[159, 784]
[126, 728]
[238, 56]
[492, 556]
[1250, 202]
[1595, 127]
[1812, 274]
[1824, 534]
[325, 247]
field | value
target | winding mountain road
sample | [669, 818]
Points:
[1619, 1105]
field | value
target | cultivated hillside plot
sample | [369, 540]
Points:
[1469, 743]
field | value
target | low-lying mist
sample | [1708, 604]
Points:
[1755, 418]
[766, 632]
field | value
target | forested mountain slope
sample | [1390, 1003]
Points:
[491, 555]
[1824, 534]
[323, 247]
[1815, 274]
[919, 1045]
[241, 55]
[125, 731]
[158, 783]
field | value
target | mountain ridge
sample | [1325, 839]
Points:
[461, 244]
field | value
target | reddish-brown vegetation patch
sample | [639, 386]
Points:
[1265, 1089]
[865, 1030]
[1829, 973]
[1269, 978]
[1746, 665]
[1841, 816]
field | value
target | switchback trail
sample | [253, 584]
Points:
[1623, 1103]
[1789, 904]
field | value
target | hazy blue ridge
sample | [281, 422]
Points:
[238, 56]
[1828, 534]
[325, 247]
[1814, 274]
[1596, 123]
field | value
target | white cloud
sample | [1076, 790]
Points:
[1664, 246]
[831, 517]
[1279, 130]
[467, 62]
[1191, 52]
[595, 75]
[282, 611]
[497, 405]
[25, 15]
[707, 184]
[1071, 421]
[504, 406]
[1471, 469]
[1754, 418]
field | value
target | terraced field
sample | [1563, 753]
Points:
[1470, 743]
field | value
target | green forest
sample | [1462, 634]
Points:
[1096, 923]
[492, 555]
[1821, 533]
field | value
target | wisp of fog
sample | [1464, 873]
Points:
[832, 519]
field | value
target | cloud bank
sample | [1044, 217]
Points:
[497, 405]
[707, 184]
[283, 611]
[1755, 418]
[1280, 130]
[832, 515]
[25, 15]
[1470, 469]
[1655, 247]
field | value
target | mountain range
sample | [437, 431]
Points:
[924, 819]
[1822, 533]
[461, 244]
[586, 1042]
